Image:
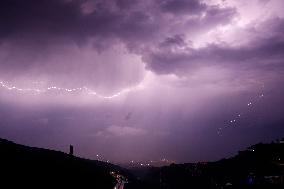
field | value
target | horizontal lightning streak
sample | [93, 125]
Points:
[68, 90]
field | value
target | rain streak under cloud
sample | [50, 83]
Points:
[185, 80]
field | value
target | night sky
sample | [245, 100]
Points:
[185, 80]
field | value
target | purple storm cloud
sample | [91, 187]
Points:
[186, 80]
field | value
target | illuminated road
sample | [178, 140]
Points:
[120, 185]
[121, 180]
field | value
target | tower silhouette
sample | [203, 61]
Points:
[71, 150]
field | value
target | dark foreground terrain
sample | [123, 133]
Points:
[27, 167]
[260, 166]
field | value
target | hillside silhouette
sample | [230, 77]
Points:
[29, 167]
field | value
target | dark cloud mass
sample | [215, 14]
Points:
[79, 20]
[149, 79]
[182, 6]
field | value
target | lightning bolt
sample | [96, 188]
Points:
[84, 89]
